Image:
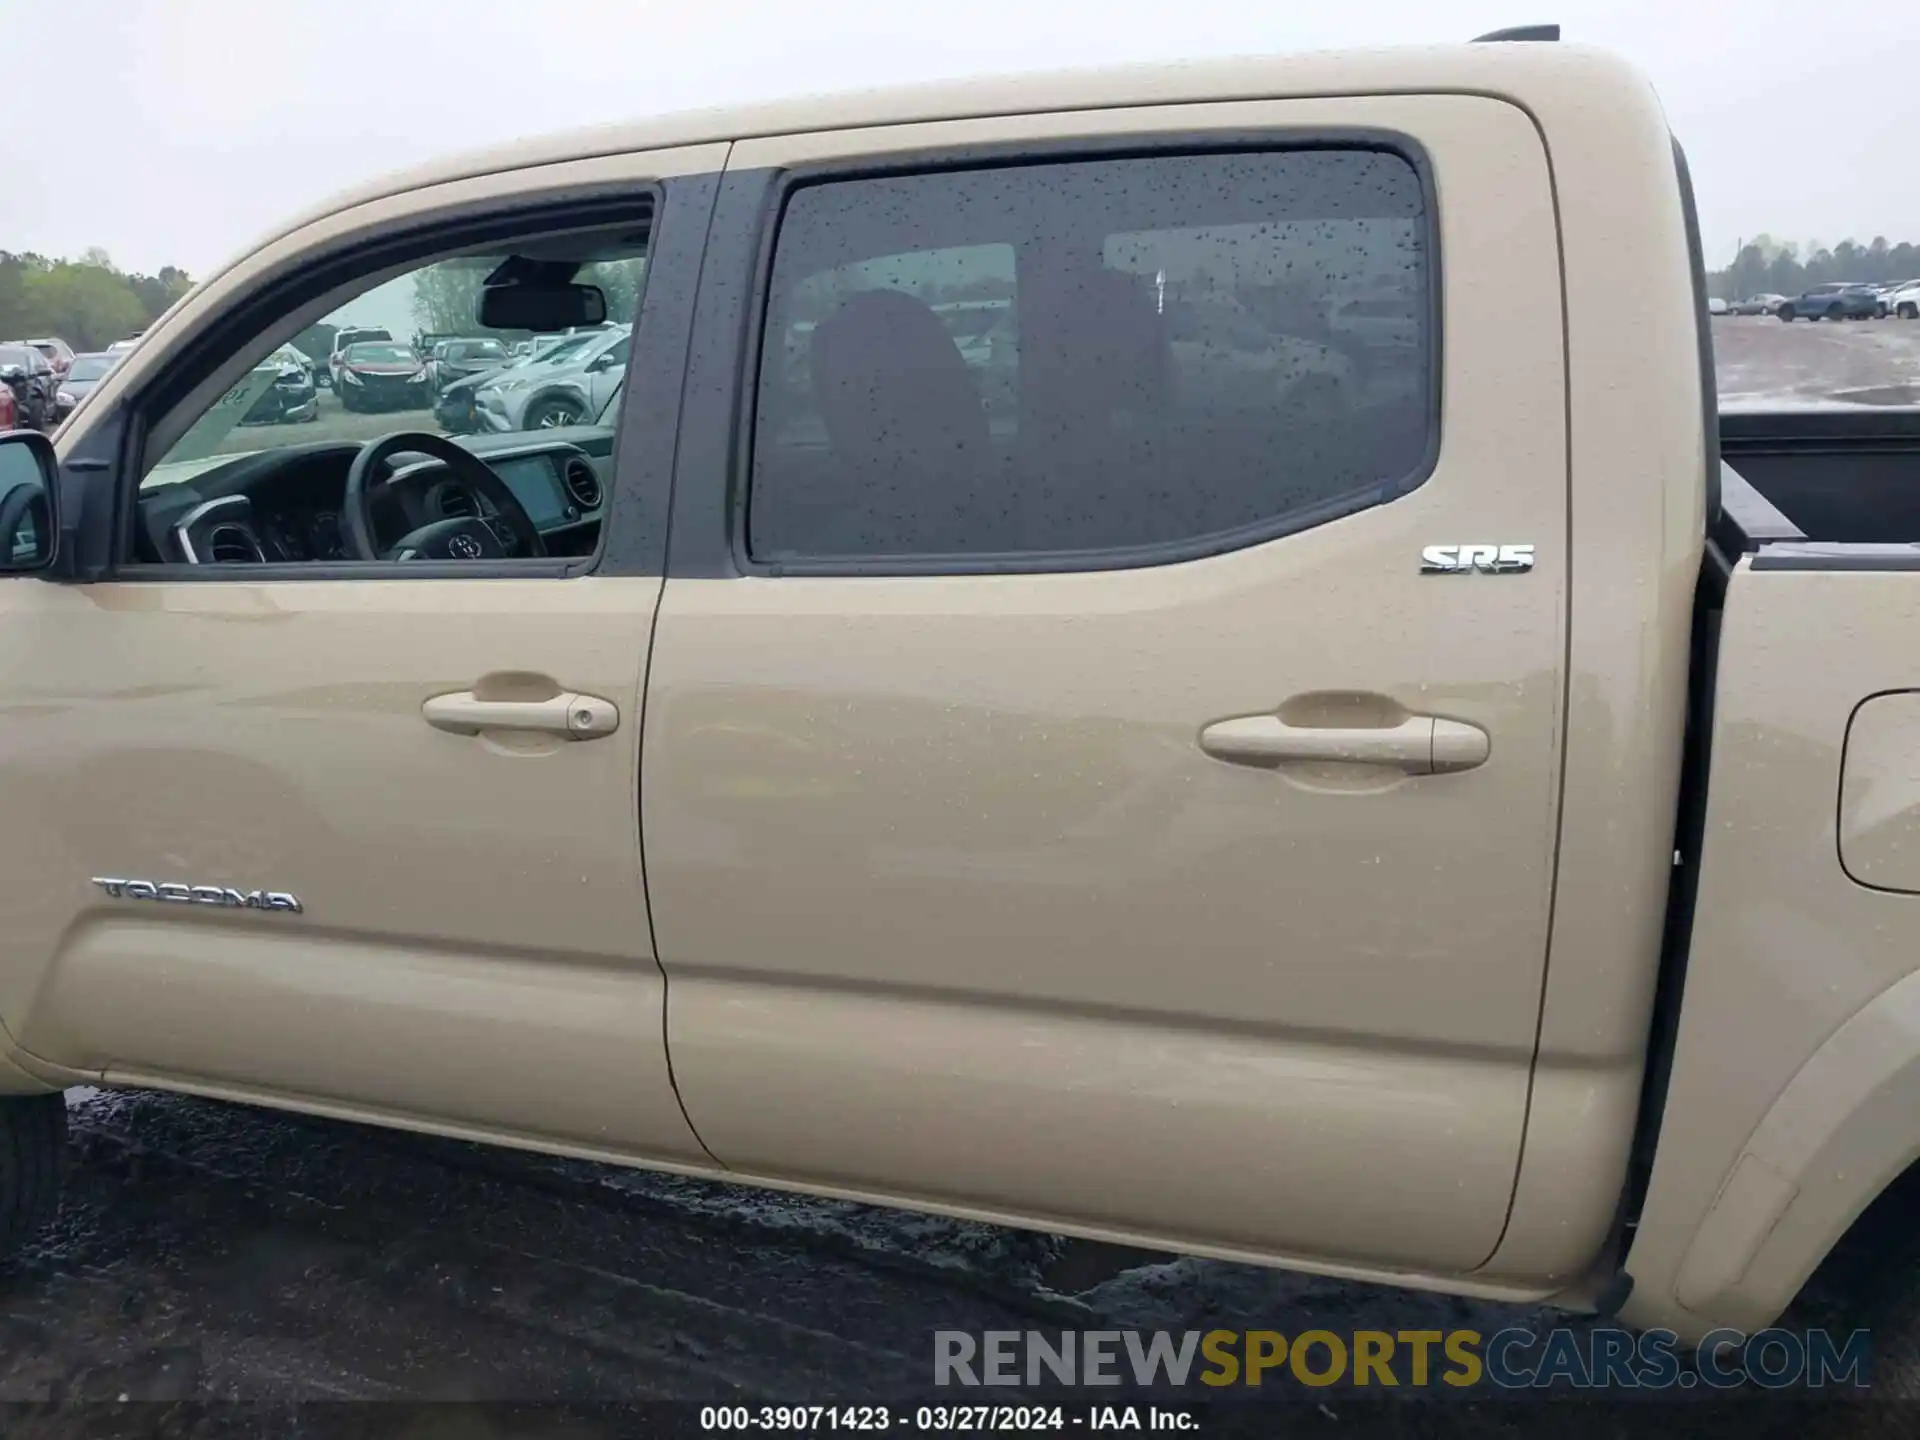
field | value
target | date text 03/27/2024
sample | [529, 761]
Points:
[963, 1419]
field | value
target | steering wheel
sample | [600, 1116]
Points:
[509, 532]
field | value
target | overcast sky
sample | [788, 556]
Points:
[176, 131]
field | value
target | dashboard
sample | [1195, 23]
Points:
[282, 506]
[302, 535]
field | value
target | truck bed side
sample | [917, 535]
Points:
[1794, 1094]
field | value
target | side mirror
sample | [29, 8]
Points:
[29, 501]
[12, 374]
[602, 361]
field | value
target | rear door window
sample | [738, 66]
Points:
[1093, 360]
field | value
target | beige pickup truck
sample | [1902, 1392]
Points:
[1170, 655]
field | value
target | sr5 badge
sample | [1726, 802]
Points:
[1476, 559]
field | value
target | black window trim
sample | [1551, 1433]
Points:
[1703, 333]
[632, 541]
[734, 557]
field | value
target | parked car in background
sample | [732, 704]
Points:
[427, 341]
[560, 390]
[455, 407]
[1903, 303]
[1766, 304]
[56, 350]
[29, 374]
[1387, 321]
[1841, 300]
[350, 336]
[1887, 294]
[1242, 363]
[292, 397]
[86, 371]
[9, 409]
[1717, 306]
[452, 360]
[381, 375]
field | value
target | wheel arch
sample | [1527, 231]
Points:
[559, 390]
[1842, 1132]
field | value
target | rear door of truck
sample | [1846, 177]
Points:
[1065, 790]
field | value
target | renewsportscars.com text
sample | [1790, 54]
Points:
[1511, 1359]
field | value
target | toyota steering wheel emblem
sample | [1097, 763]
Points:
[463, 547]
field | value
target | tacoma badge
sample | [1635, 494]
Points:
[1471, 559]
[224, 895]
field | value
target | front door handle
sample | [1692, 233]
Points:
[1418, 745]
[578, 717]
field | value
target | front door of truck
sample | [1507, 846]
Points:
[1068, 790]
[362, 834]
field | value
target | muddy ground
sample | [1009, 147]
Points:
[213, 1253]
[1763, 362]
[223, 1270]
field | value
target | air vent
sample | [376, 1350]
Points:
[233, 545]
[582, 484]
[456, 502]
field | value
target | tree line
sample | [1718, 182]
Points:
[89, 302]
[1768, 266]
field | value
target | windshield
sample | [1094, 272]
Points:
[379, 355]
[477, 350]
[20, 355]
[561, 349]
[91, 367]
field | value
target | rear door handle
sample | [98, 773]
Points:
[1418, 745]
[578, 717]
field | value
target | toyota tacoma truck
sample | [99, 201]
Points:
[1425, 802]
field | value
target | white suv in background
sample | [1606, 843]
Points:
[555, 392]
[1904, 300]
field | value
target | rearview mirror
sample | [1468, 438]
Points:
[541, 307]
[29, 501]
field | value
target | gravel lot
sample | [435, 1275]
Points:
[212, 1252]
